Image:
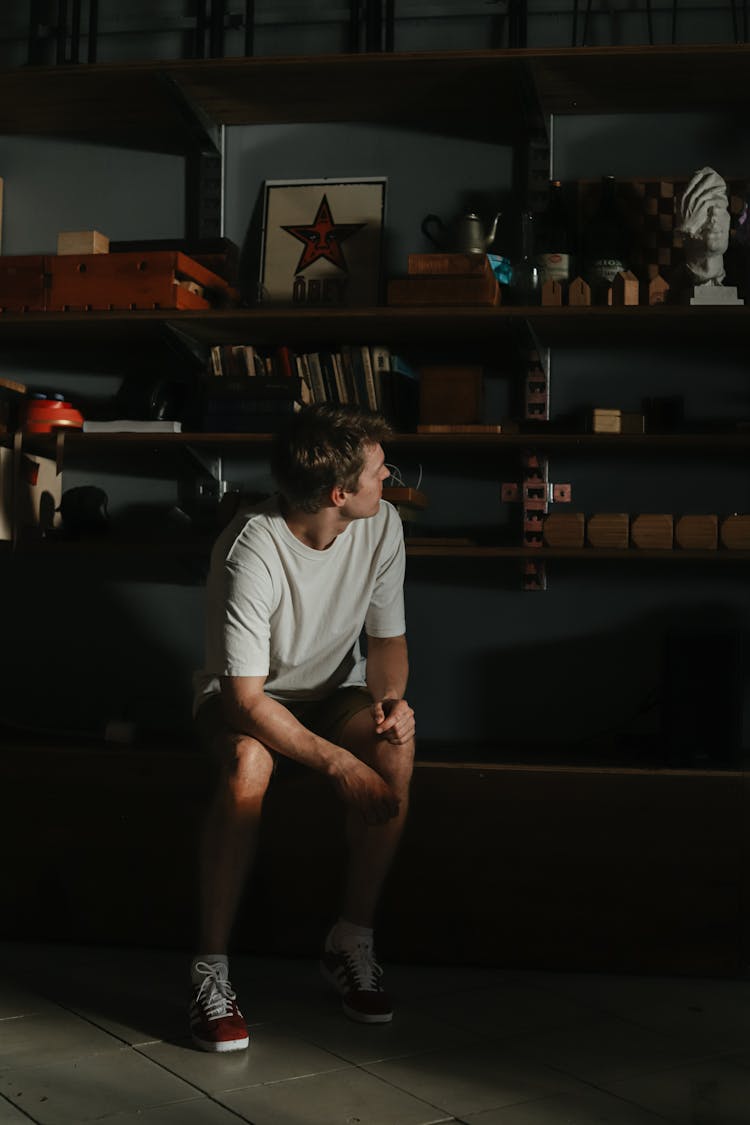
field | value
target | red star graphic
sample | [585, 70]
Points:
[323, 238]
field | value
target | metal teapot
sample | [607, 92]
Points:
[465, 236]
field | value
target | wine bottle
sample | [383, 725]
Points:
[606, 242]
[525, 280]
[554, 244]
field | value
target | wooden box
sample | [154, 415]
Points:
[450, 395]
[158, 280]
[735, 533]
[653, 532]
[608, 529]
[697, 533]
[564, 529]
[22, 282]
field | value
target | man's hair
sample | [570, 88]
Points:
[321, 447]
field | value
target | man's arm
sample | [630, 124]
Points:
[387, 675]
[247, 708]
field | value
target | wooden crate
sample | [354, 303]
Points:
[157, 280]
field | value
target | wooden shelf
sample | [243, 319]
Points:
[155, 105]
[193, 547]
[583, 327]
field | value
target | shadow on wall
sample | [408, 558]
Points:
[79, 659]
[668, 690]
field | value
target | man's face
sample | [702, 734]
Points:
[366, 500]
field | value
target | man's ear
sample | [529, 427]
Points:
[338, 496]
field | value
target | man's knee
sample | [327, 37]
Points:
[247, 765]
[395, 763]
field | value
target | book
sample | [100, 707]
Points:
[437, 290]
[133, 426]
[453, 265]
[371, 391]
[316, 377]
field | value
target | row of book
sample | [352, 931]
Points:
[273, 381]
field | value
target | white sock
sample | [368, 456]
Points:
[345, 934]
[209, 959]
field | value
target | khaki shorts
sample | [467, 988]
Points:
[325, 717]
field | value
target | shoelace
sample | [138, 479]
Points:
[215, 995]
[365, 969]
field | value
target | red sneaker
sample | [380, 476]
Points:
[356, 976]
[216, 1022]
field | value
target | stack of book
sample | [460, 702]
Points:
[446, 279]
[245, 382]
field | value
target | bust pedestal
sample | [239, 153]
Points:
[714, 295]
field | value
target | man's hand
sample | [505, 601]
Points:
[364, 789]
[394, 720]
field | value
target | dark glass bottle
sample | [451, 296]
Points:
[605, 241]
[525, 281]
[555, 241]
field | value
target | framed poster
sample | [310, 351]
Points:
[322, 242]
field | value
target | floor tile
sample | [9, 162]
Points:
[202, 1111]
[408, 1033]
[273, 1055]
[607, 1048]
[79, 1090]
[473, 1079]
[593, 1107]
[500, 1010]
[714, 1092]
[346, 1096]
[9, 1115]
[48, 1036]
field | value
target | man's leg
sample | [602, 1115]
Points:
[227, 850]
[348, 960]
[373, 847]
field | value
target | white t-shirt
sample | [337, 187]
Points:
[280, 609]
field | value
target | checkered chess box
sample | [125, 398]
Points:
[650, 212]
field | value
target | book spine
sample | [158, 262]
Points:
[371, 391]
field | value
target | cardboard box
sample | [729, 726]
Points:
[38, 490]
[82, 242]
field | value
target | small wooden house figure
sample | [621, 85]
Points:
[625, 289]
[658, 289]
[579, 293]
[552, 293]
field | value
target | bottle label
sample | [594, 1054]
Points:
[553, 267]
[606, 269]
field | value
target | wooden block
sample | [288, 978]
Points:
[697, 533]
[735, 532]
[450, 395]
[653, 531]
[564, 529]
[439, 290]
[405, 497]
[454, 265]
[604, 421]
[82, 242]
[625, 289]
[608, 529]
[552, 293]
[579, 292]
[658, 290]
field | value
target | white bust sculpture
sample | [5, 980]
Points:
[704, 224]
